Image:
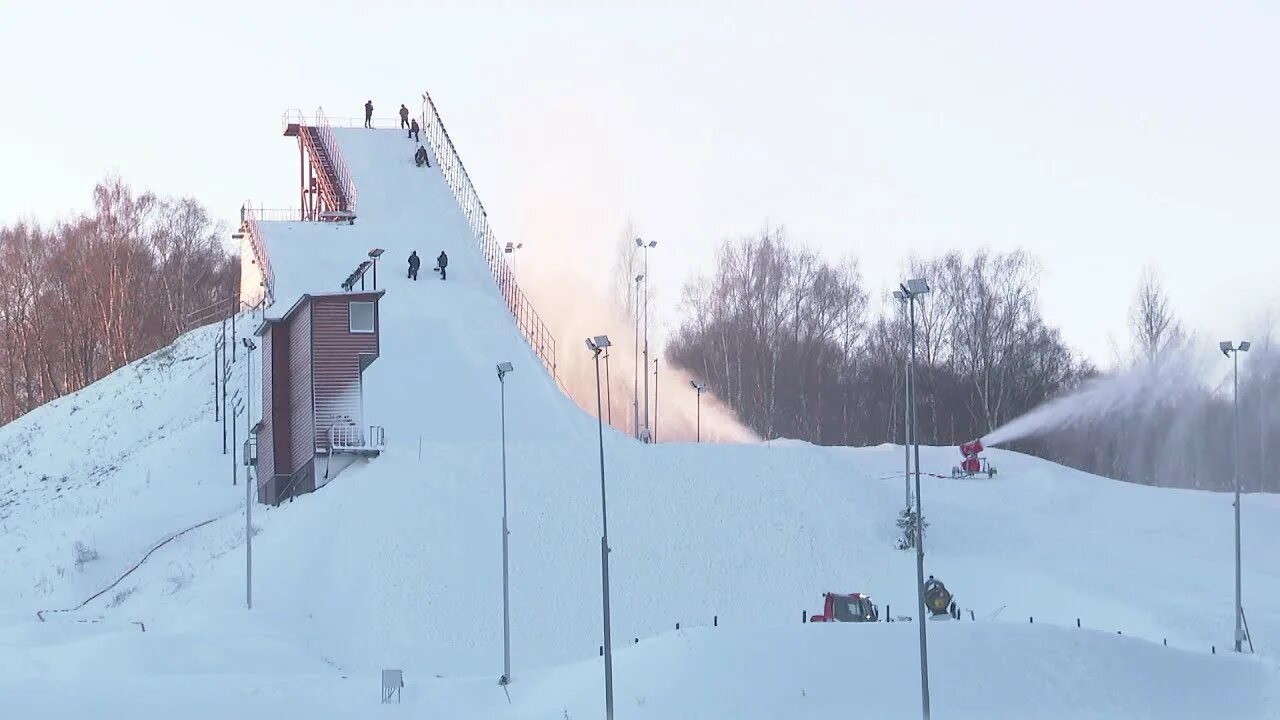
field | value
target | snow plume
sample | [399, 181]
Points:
[575, 311]
[1142, 390]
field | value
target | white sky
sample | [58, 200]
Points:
[1101, 136]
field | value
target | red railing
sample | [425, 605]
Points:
[464, 192]
[273, 214]
[346, 189]
[339, 163]
[250, 227]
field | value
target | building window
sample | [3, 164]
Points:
[361, 314]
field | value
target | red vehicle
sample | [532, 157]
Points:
[854, 607]
[972, 463]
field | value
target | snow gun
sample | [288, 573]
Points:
[972, 463]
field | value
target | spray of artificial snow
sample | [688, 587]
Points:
[1141, 389]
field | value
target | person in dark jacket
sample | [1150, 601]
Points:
[421, 157]
[404, 116]
[414, 262]
[368, 114]
[413, 130]
[442, 262]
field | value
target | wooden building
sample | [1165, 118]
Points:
[313, 362]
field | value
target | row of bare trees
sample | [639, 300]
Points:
[92, 292]
[799, 348]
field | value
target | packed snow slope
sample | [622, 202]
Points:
[980, 672]
[397, 562]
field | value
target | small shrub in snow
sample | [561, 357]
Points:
[907, 524]
[121, 596]
[84, 555]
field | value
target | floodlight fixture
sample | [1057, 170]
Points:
[504, 368]
[639, 277]
[918, 286]
[376, 253]
[899, 296]
[598, 343]
[1244, 346]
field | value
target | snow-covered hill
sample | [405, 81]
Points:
[397, 562]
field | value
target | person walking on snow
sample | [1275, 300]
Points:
[421, 158]
[404, 116]
[413, 131]
[442, 262]
[414, 262]
[368, 114]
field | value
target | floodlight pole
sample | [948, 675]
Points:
[635, 385]
[249, 485]
[1235, 471]
[906, 429]
[248, 538]
[646, 342]
[655, 400]
[506, 587]
[604, 556]
[924, 643]
[608, 386]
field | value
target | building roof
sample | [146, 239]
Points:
[307, 297]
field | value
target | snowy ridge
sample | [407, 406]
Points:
[396, 563]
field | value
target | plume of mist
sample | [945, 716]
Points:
[1143, 390]
[575, 306]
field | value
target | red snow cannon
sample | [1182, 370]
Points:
[972, 463]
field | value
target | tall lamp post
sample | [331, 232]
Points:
[248, 486]
[655, 399]
[699, 388]
[635, 385]
[596, 345]
[1232, 350]
[646, 247]
[503, 369]
[608, 387]
[912, 290]
[906, 409]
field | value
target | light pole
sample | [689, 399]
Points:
[635, 387]
[1228, 348]
[503, 369]
[596, 345]
[608, 387]
[646, 246]
[699, 388]
[248, 489]
[655, 399]
[911, 290]
[906, 408]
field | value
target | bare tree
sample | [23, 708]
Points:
[1150, 318]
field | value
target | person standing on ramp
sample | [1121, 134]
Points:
[442, 262]
[368, 114]
[414, 262]
[404, 117]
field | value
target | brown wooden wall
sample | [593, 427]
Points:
[302, 430]
[266, 447]
[339, 358]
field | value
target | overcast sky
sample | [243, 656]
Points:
[1100, 136]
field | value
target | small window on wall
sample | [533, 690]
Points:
[361, 317]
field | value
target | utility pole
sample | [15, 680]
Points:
[503, 369]
[1229, 348]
